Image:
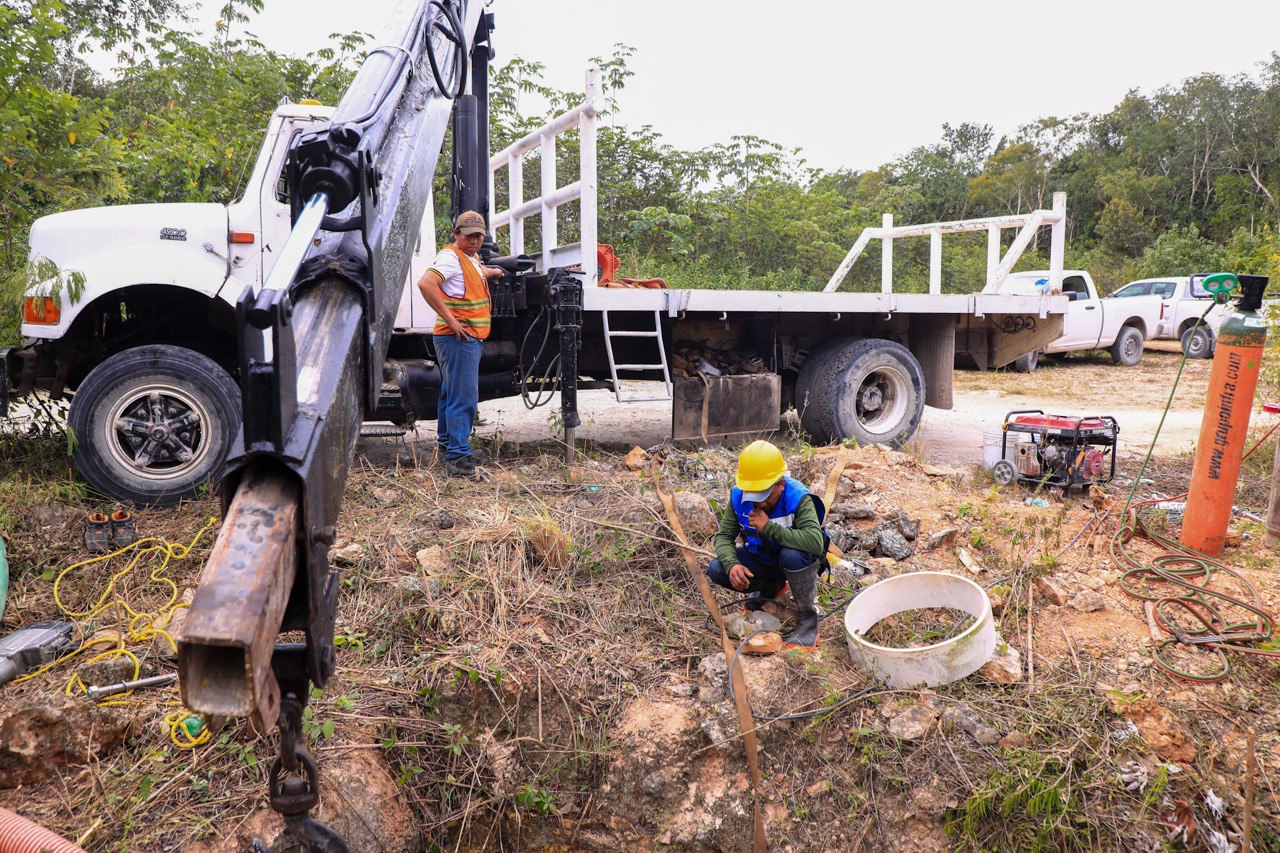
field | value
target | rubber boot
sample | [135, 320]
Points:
[757, 600]
[804, 586]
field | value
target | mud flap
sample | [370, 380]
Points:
[726, 405]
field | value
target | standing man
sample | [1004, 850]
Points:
[780, 523]
[456, 287]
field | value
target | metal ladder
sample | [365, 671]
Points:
[614, 367]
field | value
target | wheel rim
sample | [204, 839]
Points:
[1130, 346]
[157, 431]
[1195, 346]
[880, 401]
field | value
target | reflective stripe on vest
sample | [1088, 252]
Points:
[472, 308]
[784, 514]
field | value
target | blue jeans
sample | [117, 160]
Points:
[767, 579]
[459, 393]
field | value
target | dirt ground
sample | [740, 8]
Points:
[1082, 383]
[524, 664]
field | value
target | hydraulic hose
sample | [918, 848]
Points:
[19, 835]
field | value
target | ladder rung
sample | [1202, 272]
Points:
[639, 366]
[631, 334]
[644, 399]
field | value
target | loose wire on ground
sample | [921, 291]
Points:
[142, 627]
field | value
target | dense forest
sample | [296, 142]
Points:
[1181, 179]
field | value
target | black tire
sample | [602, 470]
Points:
[869, 390]
[1127, 349]
[177, 402]
[1004, 473]
[1026, 363]
[1197, 342]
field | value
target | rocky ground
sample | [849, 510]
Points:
[524, 663]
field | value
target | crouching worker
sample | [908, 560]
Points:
[780, 523]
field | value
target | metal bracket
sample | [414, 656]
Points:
[268, 383]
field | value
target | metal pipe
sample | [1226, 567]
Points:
[102, 692]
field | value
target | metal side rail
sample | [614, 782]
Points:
[614, 366]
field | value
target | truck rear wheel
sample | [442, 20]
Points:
[1127, 350]
[153, 424]
[1026, 363]
[870, 390]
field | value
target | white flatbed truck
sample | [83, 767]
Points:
[147, 351]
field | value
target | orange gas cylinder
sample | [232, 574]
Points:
[1232, 382]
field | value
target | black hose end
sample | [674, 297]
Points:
[1252, 288]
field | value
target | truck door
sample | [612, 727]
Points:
[1168, 293]
[1082, 326]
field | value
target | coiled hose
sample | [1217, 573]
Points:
[19, 835]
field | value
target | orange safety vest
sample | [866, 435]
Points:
[472, 310]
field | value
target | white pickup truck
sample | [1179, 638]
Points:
[1183, 303]
[1121, 328]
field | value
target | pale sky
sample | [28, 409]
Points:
[852, 84]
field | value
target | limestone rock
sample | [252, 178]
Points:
[893, 544]
[966, 718]
[1051, 590]
[696, 516]
[346, 553]
[937, 540]
[40, 735]
[913, 723]
[854, 512]
[1088, 601]
[763, 644]
[1005, 666]
[358, 797]
[434, 560]
[1167, 736]
[636, 460]
[103, 672]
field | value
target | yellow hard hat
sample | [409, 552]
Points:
[759, 467]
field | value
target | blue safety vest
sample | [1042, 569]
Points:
[766, 550]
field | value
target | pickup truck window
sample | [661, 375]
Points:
[1197, 288]
[1138, 288]
[1075, 284]
[1163, 289]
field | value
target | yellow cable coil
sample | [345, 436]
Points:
[142, 627]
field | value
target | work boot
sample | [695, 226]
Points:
[97, 532]
[757, 600]
[462, 466]
[122, 530]
[804, 586]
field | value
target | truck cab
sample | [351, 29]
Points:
[146, 345]
[1091, 323]
[1183, 317]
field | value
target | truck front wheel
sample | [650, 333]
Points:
[153, 424]
[1127, 350]
[870, 390]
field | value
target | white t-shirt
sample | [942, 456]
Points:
[446, 264]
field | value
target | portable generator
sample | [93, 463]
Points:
[1060, 451]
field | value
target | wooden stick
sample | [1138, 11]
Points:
[1246, 839]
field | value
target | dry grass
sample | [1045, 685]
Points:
[494, 685]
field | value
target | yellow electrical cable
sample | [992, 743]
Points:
[141, 628]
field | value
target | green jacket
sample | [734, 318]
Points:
[804, 535]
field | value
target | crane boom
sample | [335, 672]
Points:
[313, 341]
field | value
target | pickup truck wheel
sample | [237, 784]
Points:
[870, 390]
[153, 424]
[1127, 350]
[1026, 363]
[1197, 342]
